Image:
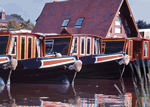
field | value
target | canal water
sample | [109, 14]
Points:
[84, 93]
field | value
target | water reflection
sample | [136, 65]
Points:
[89, 93]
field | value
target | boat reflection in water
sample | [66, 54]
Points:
[62, 95]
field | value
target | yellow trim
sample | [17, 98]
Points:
[5, 35]
[8, 43]
[114, 40]
[59, 37]
[130, 44]
[103, 47]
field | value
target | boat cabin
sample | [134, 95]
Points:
[22, 45]
[136, 48]
[73, 45]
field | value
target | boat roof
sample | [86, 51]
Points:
[19, 33]
[73, 35]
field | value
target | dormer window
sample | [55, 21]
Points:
[79, 22]
[65, 23]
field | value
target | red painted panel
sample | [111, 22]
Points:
[108, 57]
[3, 59]
[45, 63]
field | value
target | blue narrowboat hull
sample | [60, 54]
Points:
[103, 68]
[41, 70]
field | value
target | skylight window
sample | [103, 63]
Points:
[65, 23]
[79, 22]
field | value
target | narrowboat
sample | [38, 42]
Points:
[23, 59]
[136, 48]
[89, 49]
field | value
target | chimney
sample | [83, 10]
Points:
[2, 14]
[56, 0]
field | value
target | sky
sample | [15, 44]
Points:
[31, 9]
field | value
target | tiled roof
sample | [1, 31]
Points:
[98, 15]
[8, 17]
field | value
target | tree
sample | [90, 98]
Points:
[13, 24]
[27, 25]
[142, 24]
[17, 16]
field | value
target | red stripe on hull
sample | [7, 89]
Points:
[3, 59]
[51, 62]
[108, 58]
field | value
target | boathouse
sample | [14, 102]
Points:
[106, 18]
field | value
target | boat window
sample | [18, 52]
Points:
[61, 45]
[3, 44]
[96, 46]
[88, 45]
[146, 49]
[113, 46]
[14, 42]
[22, 47]
[82, 45]
[103, 48]
[49, 45]
[29, 47]
[75, 41]
[38, 46]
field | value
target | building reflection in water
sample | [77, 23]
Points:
[56, 95]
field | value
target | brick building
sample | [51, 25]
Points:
[5, 18]
[107, 18]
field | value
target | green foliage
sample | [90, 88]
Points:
[17, 16]
[13, 24]
[142, 24]
[27, 25]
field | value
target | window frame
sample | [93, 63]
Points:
[79, 25]
[67, 19]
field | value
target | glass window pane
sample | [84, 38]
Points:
[79, 22]
[14, 45]
[88, 45]
[118, 21]
[75, 46]
[146, 49]
[82, 45]
[65, 22]
[22, 47]
[29, 47]
[117, 29]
